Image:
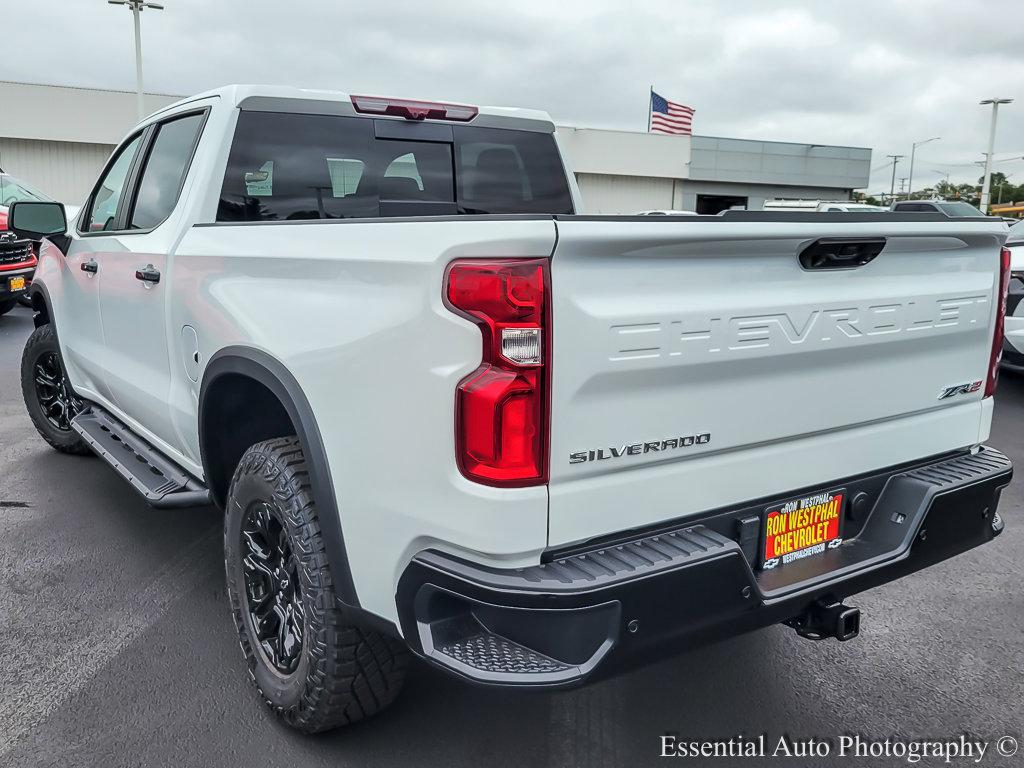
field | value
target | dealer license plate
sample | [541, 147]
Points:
[16, 283]
[803, 527]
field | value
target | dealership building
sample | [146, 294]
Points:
[57, 138]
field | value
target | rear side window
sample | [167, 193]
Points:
[169, 157]
[286, 166]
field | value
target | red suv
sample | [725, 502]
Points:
[17, 257]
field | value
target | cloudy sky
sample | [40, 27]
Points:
[874, 73]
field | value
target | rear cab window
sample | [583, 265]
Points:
[293, 166]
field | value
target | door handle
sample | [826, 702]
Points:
[148, 274]
[90, 266]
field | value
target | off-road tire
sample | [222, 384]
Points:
[345, 671]
[7, 306]
[43, 341]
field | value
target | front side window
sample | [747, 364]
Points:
[166, 165]
[107, 197]
[345, 175]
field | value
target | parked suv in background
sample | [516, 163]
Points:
[13, 190]
[17, 263]
[17, 260]
[528, 446]
[945, 207]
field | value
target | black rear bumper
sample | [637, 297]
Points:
[604, 608]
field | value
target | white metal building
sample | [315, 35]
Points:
[623, 172]
[57, 138]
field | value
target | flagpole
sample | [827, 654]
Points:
[650, 100]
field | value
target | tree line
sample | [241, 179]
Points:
[1003, 191]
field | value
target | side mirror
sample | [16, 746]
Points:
[34, 220]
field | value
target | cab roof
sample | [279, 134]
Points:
[239, 95]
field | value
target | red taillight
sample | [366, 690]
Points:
[501, 409]
[413, 110]
[997, 336]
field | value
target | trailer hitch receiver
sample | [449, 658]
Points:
[824, 619]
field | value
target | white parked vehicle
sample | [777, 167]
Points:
[945, 207]
[822, 206]
[1013, 348]
[443, 413]
[667, 213]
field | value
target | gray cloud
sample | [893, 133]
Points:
[873, 73]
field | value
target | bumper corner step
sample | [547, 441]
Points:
[487, 652]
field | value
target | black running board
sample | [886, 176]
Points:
[161, 482]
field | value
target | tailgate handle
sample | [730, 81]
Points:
[841, 252]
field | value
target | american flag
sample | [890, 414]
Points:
[669, 117]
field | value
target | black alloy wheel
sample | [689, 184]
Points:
[273, 593]
[316, 661]
[50, 399]
[59, 405]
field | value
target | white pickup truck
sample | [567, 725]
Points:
[443, 412]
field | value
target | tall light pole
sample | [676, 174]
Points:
[137, 6]
[913, 150]
[892, 188]
[986, 183]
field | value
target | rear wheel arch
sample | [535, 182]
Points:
[277, 404]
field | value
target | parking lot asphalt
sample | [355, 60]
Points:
[117, 648]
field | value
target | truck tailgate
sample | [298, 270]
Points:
[698, 364]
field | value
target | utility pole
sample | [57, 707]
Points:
[913, 151]
[986, 182]
[137, 6]
[903, 185]
[892, 187]
[1002, 184]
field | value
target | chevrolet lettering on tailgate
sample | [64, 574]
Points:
[695, 335]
